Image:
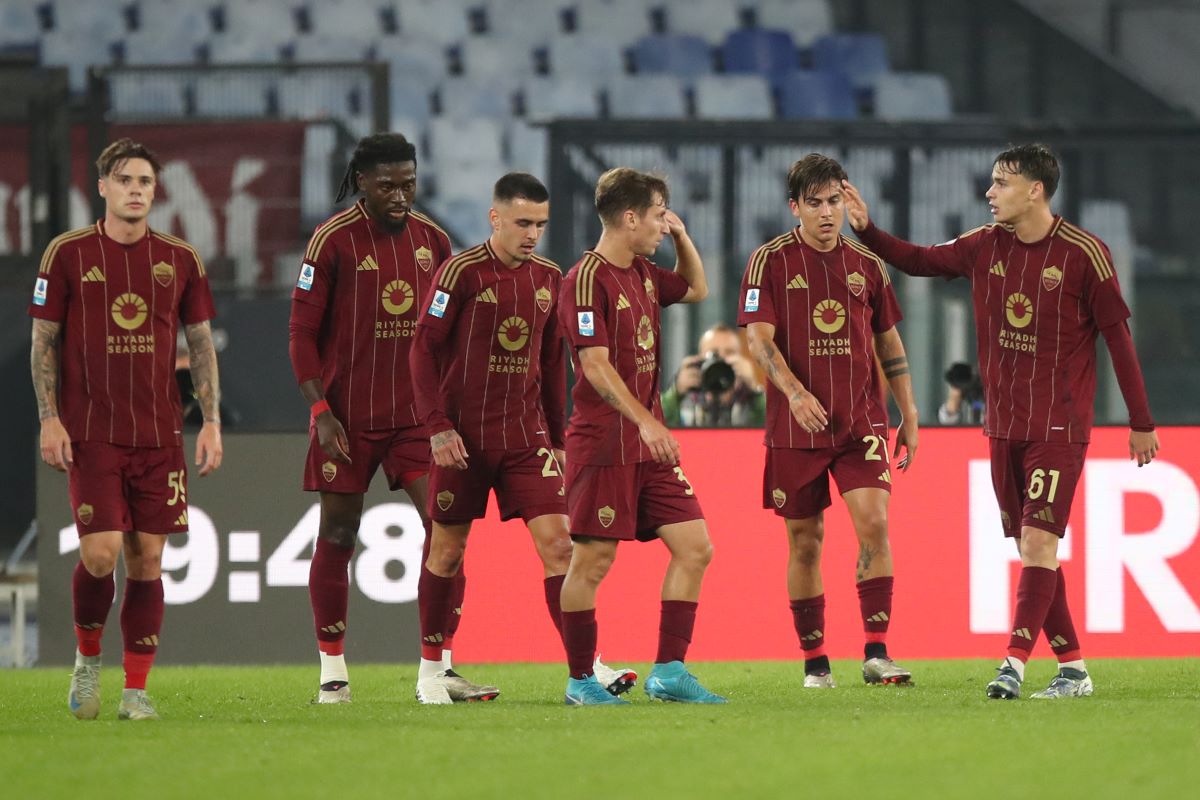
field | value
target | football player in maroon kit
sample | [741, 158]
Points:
[107, 305]
[623, 477]
[818, 308]
[354, 314]
[490, 349]
[1043, 290]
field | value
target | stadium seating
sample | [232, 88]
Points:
[805, 20]
[770, 53]
[485, 57]
[733, 97]
[466, 98]
[545, 98]
[430, 20]
[860, 57]
[223, 95]
[708, 19]
[646, 97]
[911, 96]
[148, 95]
[816, 95]
[583, 57]
[616, 20]
[674, 54]
[19, 23]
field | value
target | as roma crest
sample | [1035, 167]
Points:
[778, 497]
[1051, 278]
[85, 512]
[606, 515]
[856, 282]
[329, 471]
[543, 298]
[424, 257]
[445, 499]
[164, 273]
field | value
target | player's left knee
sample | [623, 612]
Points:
[873, 529]
[144, 566]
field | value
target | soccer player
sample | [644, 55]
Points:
[107, 305]
[817, 308]
[491, 343]
[624, 481]
[354, 313]
[1043, 289]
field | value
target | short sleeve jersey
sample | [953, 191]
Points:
[120, 306]
[1038, 310]
[498, 323]
[369, 283]
[603, 305]
[826, 308]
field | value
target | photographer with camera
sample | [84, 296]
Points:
[717, 388]
[964, 399]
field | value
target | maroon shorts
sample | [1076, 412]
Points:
[403, 452]
[528, 484]
[628, 501]
[796, 482]
[118, 488]
[1035, 483]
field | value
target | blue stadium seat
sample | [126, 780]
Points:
[99, 19]
[408, 100]
[146, 47]
[618, 21]
[770, 53]
[708, 19]
[466, 142]
[523, 23]
[527, 149]
[465, 216]
[816, 95]
[411, 60]
[805, 20]
[76, 52]
[431, 20]
[484, 57]
[464, 98]
[329, 47]
[584, 57]
[647, 97]
[363, 20]
[308, 96]
[559, 97]
[860, 56]
[148, 95]
[911, 96]
[685, 56]
[245, 48]
[733, 97]
[19, 22]
[231, 96]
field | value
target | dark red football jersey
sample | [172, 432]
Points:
[603, 305]
[826, 309]
[120, 306]
[1038, 310]
[502, 346]
[366, 285]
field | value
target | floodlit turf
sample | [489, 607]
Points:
[251, 732]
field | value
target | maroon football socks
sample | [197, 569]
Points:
[1035, 593]
[808, 616]
[553, 589]
[675, 626]
[141, 622]
[1059, 629]
[875, 603]
[579, 638]
[434, 596]
[92, 598]
[329, 591]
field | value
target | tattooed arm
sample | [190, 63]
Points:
[890, 351]
[202, 357]
[600, 373]
[806, 408]
[43, 362]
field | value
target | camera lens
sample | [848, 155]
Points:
[716, 375]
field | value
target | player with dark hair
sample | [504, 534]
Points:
[354, 313]
[490, 341]
[818, 309]
[1043, 290]
[107, 306]
[624, 481]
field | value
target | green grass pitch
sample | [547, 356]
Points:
[233, 732]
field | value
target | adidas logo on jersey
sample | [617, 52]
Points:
[998, 269]
[368, 264]
[886, 477]
[797, 282]
[488, 295]
[622, 302]
[93, 275]
[182, 519]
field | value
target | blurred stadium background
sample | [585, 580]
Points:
[255, 105]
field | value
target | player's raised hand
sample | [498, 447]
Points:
[663, 446]
[674, 223]
[56, 444]
[856, 207]
[209, 450]
[332, 437]
[449, 451]
[1143, 446]
[808, 412]
[906, 437]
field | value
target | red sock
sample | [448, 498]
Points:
[1035, 592]
[875, 603]
[579, 639]
[92, 598]
[454, 613]
[329, 591]
[675, 630]
[141, 622]
[434, 595]
[553, 589]
[808, 616]
[1059, 629]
